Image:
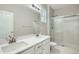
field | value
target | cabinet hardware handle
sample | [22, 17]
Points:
[38, 46]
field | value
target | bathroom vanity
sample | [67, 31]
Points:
[30, 44]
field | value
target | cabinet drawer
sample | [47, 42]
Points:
[38, 49]
[46, 49]
[28, 51]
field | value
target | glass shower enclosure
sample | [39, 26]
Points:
[66, 31]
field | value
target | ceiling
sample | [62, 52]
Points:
[58, 6]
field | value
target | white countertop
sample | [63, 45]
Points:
[29, 39]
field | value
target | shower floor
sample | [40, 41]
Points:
[63, 50]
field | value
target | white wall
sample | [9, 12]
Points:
[67, 10]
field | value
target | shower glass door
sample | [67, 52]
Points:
[66, 31]
[71, 32]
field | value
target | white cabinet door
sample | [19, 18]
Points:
[43, 47]
[28, 51]
[46, 49]
[38, 49]
[46, 46]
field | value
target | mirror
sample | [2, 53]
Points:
[6, 23]
[36, 25]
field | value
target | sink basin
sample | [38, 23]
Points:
[14, 46]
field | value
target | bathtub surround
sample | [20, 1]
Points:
[66, 29]
[66, 33]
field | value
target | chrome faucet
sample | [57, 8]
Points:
[11, 38]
